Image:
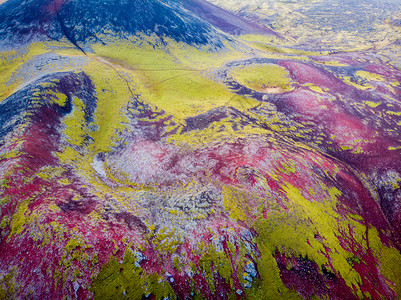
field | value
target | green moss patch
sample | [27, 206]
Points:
[122, 278]
[267, 78]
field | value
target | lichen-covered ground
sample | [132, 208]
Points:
[147, 160]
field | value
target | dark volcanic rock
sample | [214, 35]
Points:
[88, 21]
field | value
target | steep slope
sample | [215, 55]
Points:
[331, 25]
[93, 21]
[224, 20]
[147, 151]
[85, 21]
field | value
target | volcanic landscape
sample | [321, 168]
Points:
[185, 149]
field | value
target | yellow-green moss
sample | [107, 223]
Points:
[113, 96]
[18, 218]
[4, 183]
[270, 285]
[50, 173]
[370, 76]
[312, 217]
[212, 258]
[11, 61]
[317, 89]
[266, 45]
[7, 285]
[362, 86]
[59, 98]
[293, 232]
[75, 123]
[233, 202]
[168, 82]
[264, 78]
[372, 104]
[166, 241]
[117, 279]
[393, 113]
[389, 259]
[4, 222]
